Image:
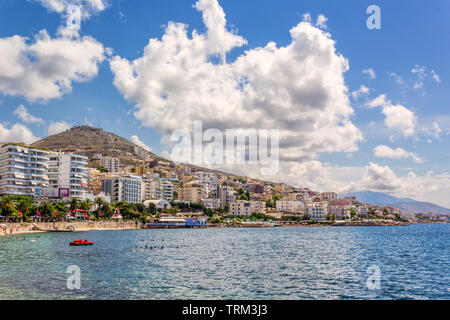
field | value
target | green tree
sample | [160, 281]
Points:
[152, 208]
[74, 204]
[46, 209]
[8, 206]
[102, 169]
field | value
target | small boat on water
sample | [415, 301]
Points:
[81, 243]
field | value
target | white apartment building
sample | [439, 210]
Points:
[339, 211]
[329, 196]
[291, 206]
[207, 177]
[164, 190]
[317, 210]
[68, 170]
[23, 170]
[212, 203]
[361, 211]
[112, 164]
[246, 208]
[127, 188]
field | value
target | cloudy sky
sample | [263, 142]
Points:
[357, 109]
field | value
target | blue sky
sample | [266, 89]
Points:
[414, 35]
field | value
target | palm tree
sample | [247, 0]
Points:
[99, 202]
[7, 205]
[74, 203]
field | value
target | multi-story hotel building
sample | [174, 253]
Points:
[23, 170]
[111, 164]
[246, 208]
[68, 170]
[127, 188]
[291, 206]
[329, 196]
[317, 210]
[191, 192]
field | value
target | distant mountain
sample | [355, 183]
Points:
[88, 141]
[384, 199]
[379, 198]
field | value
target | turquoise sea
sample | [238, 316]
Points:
[232, 263]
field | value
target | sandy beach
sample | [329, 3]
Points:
[78, 226]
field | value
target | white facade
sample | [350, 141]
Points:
[329, 196]
[123, 188]
[207, 177]
[68, 170]
[212, 203]
[290, 206]
[246, 208]
[317, 210]
[156, 188]
[23, 170]
[112, 164]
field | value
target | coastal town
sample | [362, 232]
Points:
[42, 186]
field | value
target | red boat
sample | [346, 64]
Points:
[81, 243]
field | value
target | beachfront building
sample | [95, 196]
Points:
[246, 208]
[317, 210]
[212, 203]
[111, 164]
[68, 171]
[339, 211]
[291, 206]
[127, 188]
[23, 170]
[361, 211]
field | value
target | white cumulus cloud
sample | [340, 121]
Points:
[22, 113]
[397, 117]
[383, 151]
[17, 133]
[57, 127]
[45, 67]
[370, 72]
[87, 6]
[139, 142]
[298, 89]
[322, 21]
[363, 90]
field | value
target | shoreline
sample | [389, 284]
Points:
[81, 226]
[27, 228]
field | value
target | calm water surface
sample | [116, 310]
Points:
[271, 263]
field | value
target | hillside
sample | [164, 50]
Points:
[384, 199]
[88, 141]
